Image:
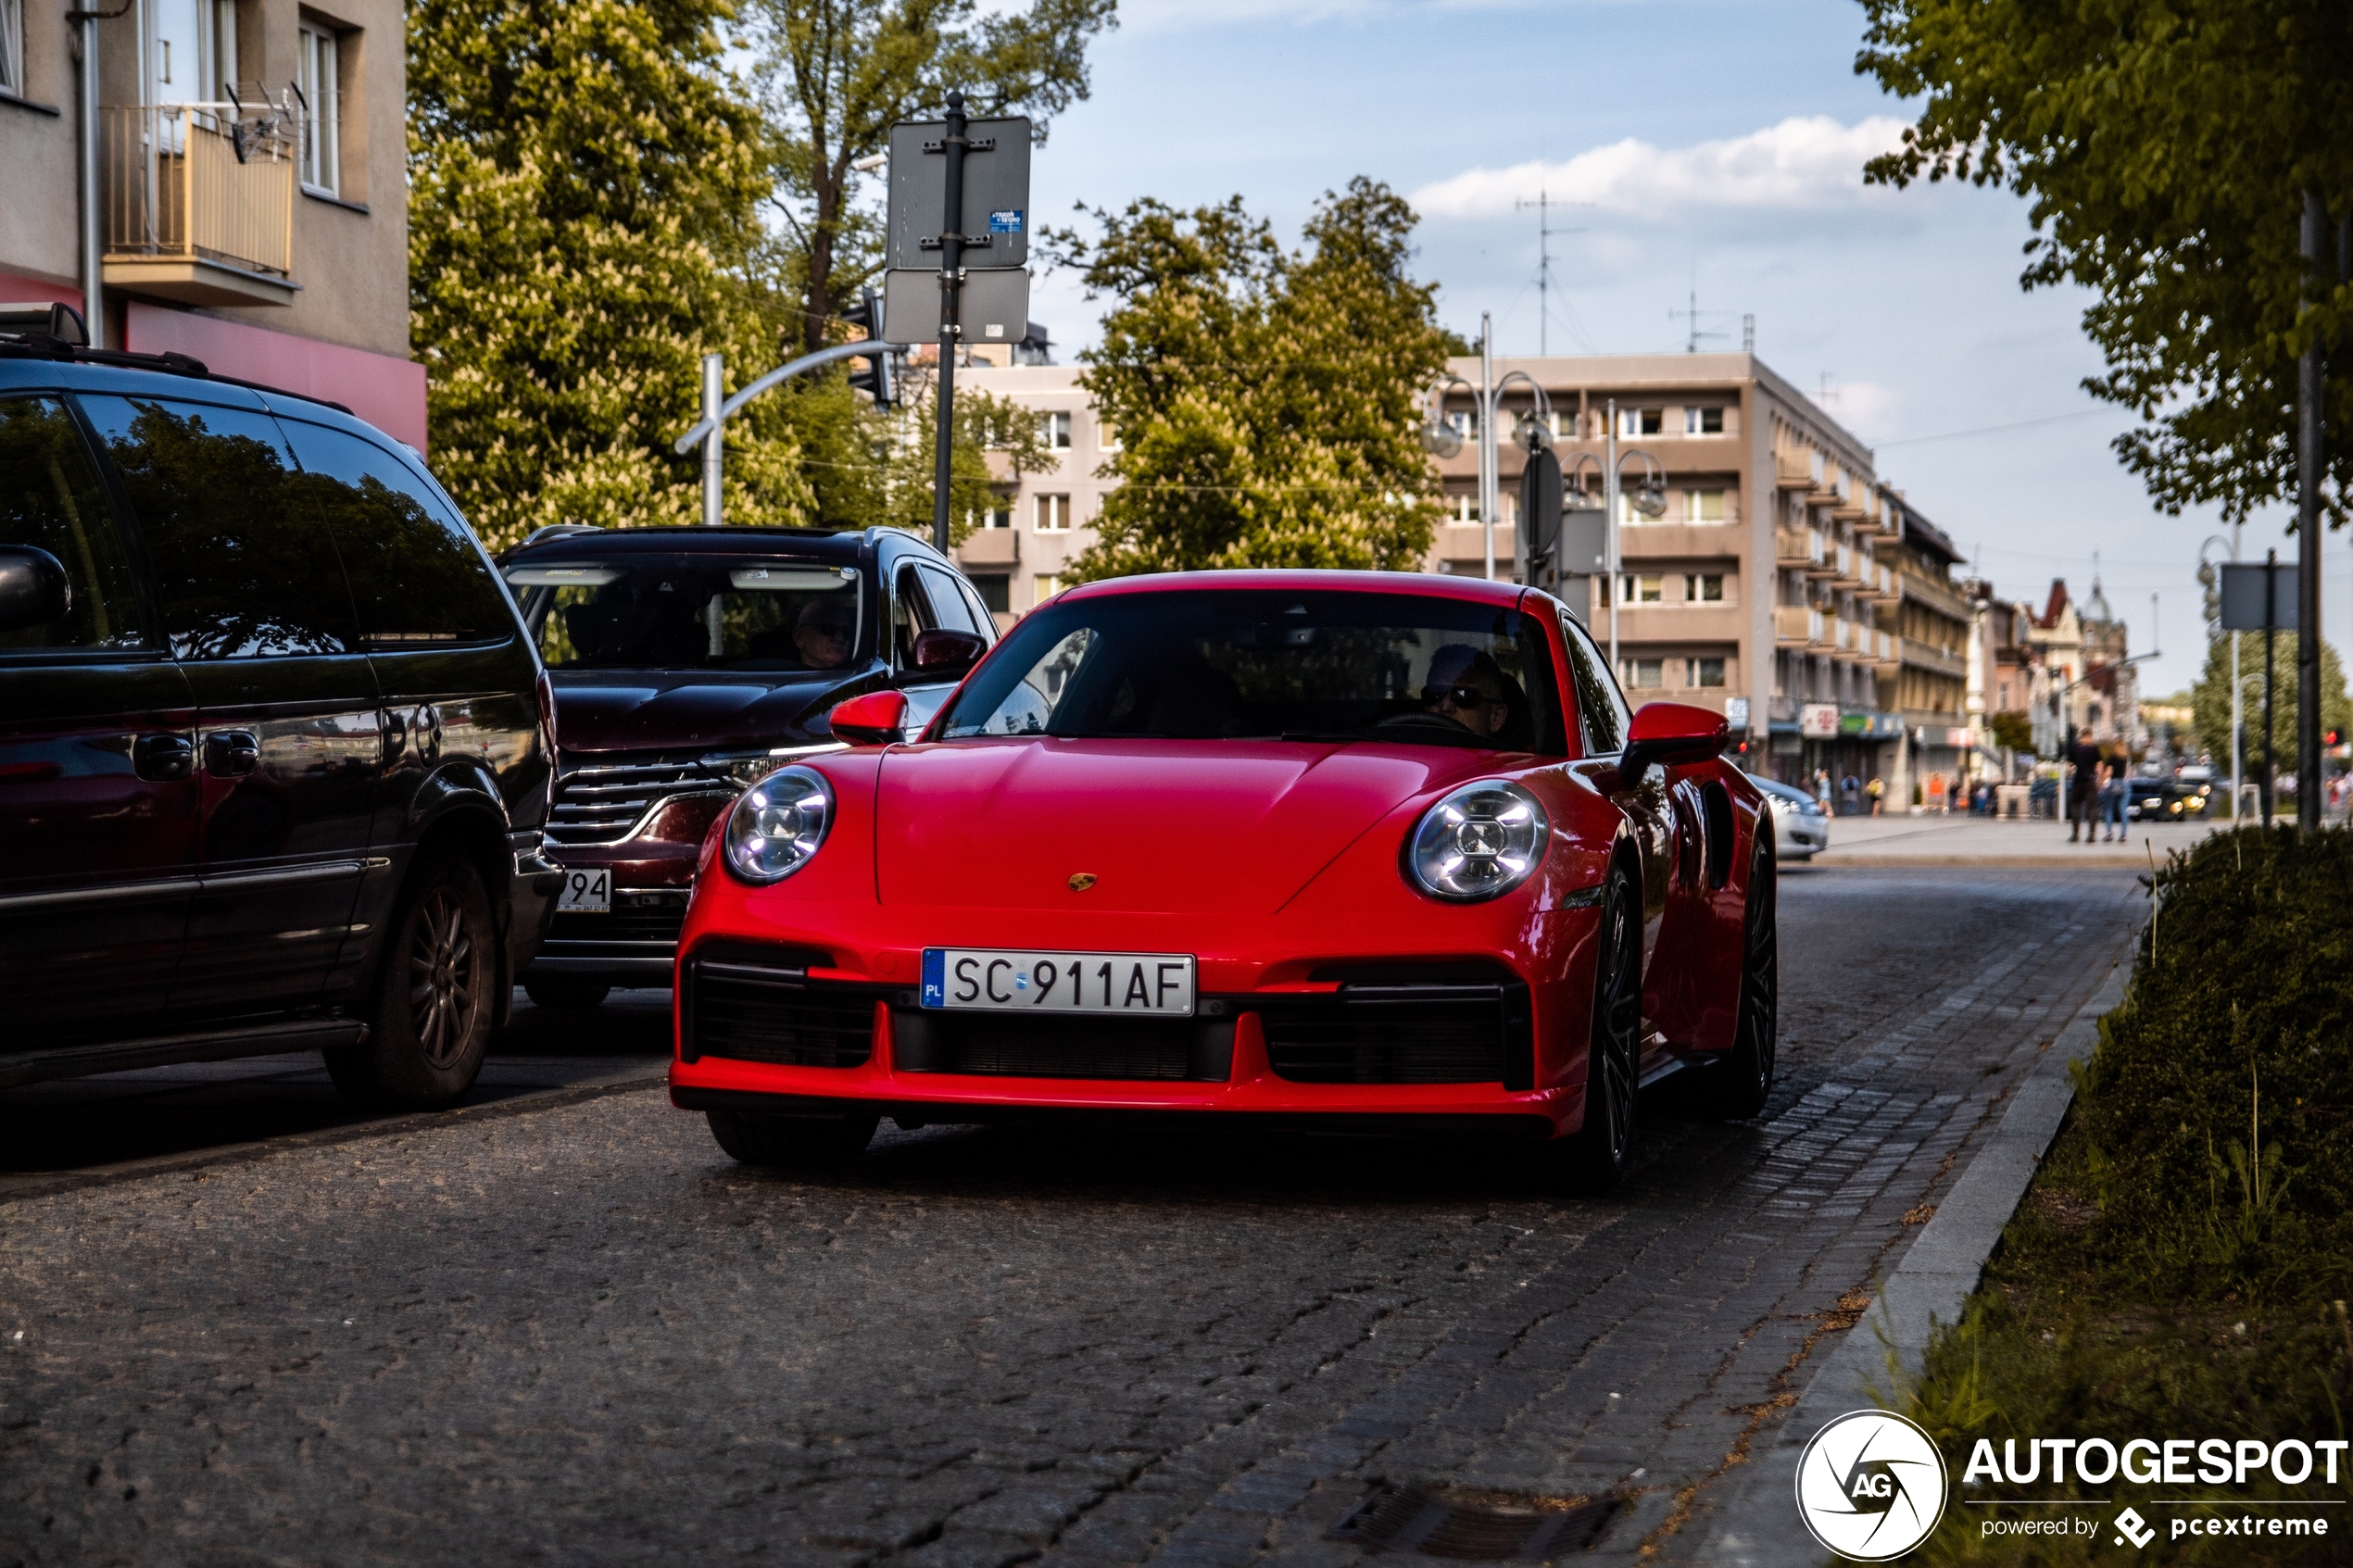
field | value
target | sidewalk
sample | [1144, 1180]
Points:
[1996, 841]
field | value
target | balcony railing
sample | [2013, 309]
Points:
[1797, 623]
[198, 183]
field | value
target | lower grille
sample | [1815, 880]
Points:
[763, 1007]
[1420, 1024]
[1024, 1046]
[639, 925]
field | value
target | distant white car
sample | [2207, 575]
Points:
[1800, 828]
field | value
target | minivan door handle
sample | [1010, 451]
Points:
[228, 753]
[164, 759]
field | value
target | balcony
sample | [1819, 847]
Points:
[1938, 596]
[1926, 656]
[198, 206]
[1796, 626]
[990, 546]
[1797, 547]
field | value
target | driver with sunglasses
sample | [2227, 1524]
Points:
[1468, 687]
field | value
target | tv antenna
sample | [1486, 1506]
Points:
[1693, 315]
[1543, 203]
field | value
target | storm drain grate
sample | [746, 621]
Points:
[1473, 1527]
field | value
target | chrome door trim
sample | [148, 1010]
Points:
[125, 890]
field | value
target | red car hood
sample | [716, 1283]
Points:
[1207, 828]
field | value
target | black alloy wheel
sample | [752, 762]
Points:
[431, 1023]
[1745, 1075]
[1591, 1160]
[793, 1143]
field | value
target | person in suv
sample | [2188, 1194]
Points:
[274, 760]
[687, 662]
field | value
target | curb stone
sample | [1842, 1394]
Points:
[1758, 1527]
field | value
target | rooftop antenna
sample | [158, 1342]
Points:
[1694, 314]
[1543, 203]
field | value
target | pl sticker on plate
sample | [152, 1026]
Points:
[1002, 980]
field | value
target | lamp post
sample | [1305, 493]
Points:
[1649, 498]
[1440, 438]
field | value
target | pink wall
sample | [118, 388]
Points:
[388, 393]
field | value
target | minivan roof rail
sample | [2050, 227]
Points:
[558, 529]
[33, 345]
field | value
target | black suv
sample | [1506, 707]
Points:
[274, 752]
[686, 662]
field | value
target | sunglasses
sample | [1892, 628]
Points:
[1459, 696]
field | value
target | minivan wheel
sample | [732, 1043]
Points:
[429, 1025]
[565, 994]
[793, 1143]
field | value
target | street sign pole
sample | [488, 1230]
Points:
[2307, 541]
[713, 390]
[952, 256]
[2271, 628]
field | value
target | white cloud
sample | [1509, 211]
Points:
[1806, 162]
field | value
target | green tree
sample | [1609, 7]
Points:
[1264, 400]
[585, 181]
[2165, 146]
[2012, 728]
[833, 77]
[2210, 699]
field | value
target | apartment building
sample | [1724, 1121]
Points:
[250, 189]
[1767, 572]
[2087, 685]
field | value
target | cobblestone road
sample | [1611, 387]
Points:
[581, 1335]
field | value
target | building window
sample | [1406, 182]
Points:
[1048, 584]
[1641, 421]
[1464, 422]
[1001, 514]
[12, 47]
[995, 591]
[1648, 590]
[1704, 587]
[1053, 514]
[1106, 437]
[1055, 428]
[1702, 421]
[1702, 506]
[1706, 672]
[1642, 674]
[1466, 509]
[316, 63]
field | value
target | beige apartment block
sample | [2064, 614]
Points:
[1783, 583]
[251, 195]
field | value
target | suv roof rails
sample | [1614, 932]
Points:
[558, 529]
[32, 343]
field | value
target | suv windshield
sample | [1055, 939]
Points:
[1270, 664]
[689, 612]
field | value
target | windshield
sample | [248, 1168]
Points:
[690, 612]
[1268, 664]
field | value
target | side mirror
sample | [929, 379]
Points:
[938, 653]
[872, 719]
[1672, 733]
[33, 590]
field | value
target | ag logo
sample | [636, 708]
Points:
[1870, 1486]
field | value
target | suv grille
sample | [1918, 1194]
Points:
[758, 1004]
[1026, 1046]
[601, 803]
[1425, 1023]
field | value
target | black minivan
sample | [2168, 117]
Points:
[274, 749]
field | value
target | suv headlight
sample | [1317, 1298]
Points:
[1479, 842]
[777, 824]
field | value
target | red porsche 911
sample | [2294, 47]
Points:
[1378, 852]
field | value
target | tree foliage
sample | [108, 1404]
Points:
[2013, 730]
[1265, 400]
[2210, 699]
[2165, 146]
[833, 76]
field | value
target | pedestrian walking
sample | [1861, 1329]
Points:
[1850, 793]
[1936, 794]
[1877, 791]
[2083, 785]
[2114, 794]
[1822, 789]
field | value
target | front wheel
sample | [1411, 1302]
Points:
[1745, 1075]
[430, 1027]
[793, 1143]
[1590, 1160]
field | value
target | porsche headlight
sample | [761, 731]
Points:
[777, 824]
[1479, 842]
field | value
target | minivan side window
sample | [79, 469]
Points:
[242, 570]
[416, 576]
[948, 606]
[1599, 706]
[50, 499]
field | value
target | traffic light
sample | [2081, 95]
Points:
[879, 380]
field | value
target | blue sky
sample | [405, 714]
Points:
[1713, 137]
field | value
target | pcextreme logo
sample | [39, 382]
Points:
[1870, 1486]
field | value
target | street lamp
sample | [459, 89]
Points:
[1440, 439]
[1649, 498]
